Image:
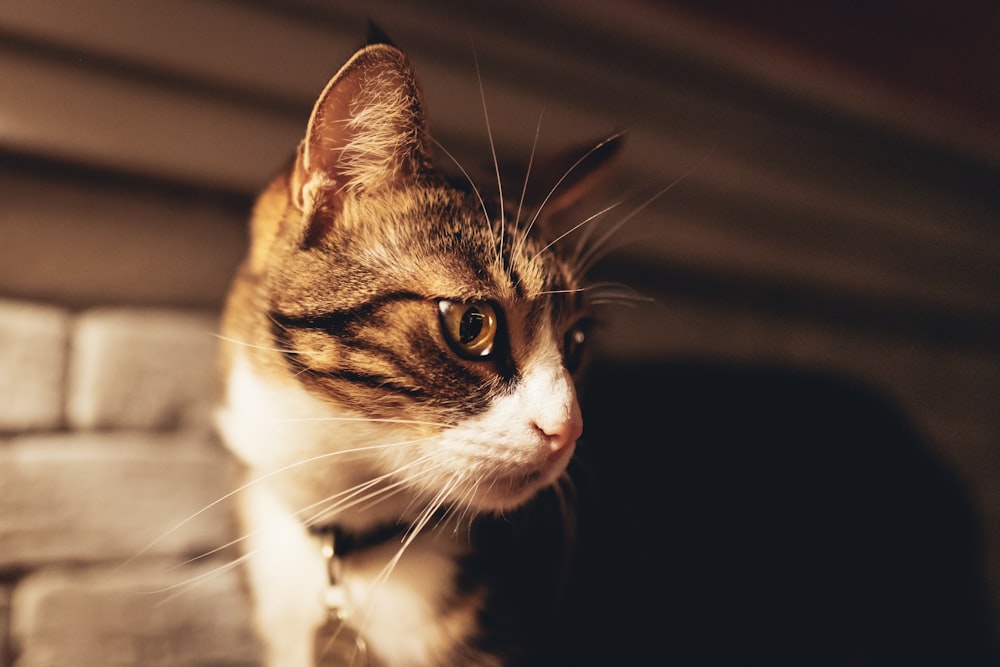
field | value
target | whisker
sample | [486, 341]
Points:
[614, 291]
[414, 530]
[575, 290]
[493, 150]
[393, 489]
[432, 508]
[342, 500]
[372, 420]
[214, 551]
[585, 262]
[192, 582]
[252, 346]
[347, 498]
[340, 506]
[562, 178]
[623, 297]
[274, 321]
[255, 481]
[441, 463]
[576, 227]
[467, 510]
[472, 184]
[616, 302]
[527, 172]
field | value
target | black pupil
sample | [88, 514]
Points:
[471, 325]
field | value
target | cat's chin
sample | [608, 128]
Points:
[507, 491]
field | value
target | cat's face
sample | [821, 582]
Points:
[403, 337]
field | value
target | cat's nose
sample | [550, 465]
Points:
[562, 431]
[558, 415]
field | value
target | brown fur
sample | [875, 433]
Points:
[336, 313]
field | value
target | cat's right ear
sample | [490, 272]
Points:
[366, 133]
[573, 173]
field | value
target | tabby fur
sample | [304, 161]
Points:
[348, 405]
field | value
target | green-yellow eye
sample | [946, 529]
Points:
[470, 328]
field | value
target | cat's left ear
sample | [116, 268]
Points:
[366, 132]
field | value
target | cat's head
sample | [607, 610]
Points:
[396, 324]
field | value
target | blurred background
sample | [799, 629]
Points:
[838, 211]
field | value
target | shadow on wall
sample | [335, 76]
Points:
[759, 516]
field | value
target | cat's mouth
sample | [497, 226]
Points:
[510, 489]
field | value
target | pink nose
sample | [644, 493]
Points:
[564, 430]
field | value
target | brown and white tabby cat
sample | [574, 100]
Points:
[400, 387]
[403, 377]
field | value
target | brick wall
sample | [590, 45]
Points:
[107, 450]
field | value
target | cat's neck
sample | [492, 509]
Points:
[275, 428]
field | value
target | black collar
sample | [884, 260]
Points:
[346, 542]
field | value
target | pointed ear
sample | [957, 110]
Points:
[560, 181]
[366, 132]
[376, 35]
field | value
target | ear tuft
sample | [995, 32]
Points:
[376, 35]
[366, 132]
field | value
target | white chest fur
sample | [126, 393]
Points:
[398, 612]
[399, 607]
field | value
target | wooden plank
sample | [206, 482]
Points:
[225, 44]
[84, 241]
[79, 114]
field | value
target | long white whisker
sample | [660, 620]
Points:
[472, 184]
[467, 508]
[575, 290]
[615, 302]
[338, 502]
[493, 150]
[615, 290]
[527, 171]
[315, 518]
[577, 226]
[201, 578]
[342, 504]
[618, 295]
[418, 526]
[216, 550]
[562, 178]
[255, 481]
[266, 348]
[425, 516]
[348, 498]
[372, 420]
[440, 463]
[583, 263]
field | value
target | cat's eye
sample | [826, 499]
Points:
[574, 343]
[470, 328]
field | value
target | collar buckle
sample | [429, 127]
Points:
[337, 643]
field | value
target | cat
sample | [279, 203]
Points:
[404, 366]
[400, 385]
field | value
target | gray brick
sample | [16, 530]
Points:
[113, 618]
[142, 368]
[33, 340]
[5, 594]
[107, 496]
